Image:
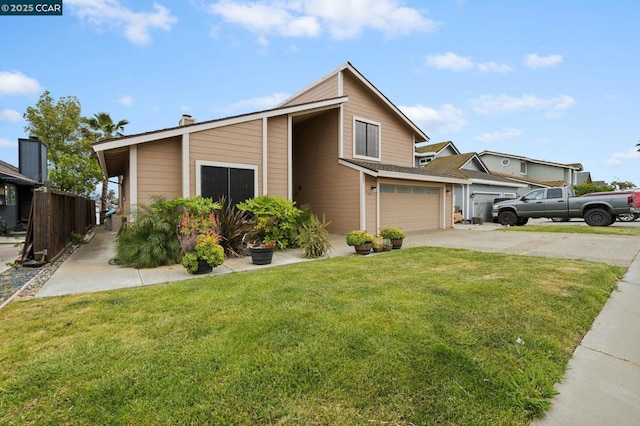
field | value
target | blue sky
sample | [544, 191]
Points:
[549, 80]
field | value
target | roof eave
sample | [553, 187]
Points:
[181, 130]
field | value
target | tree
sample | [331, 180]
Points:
[103, 127]
[588, 188]
[73, 165]
[623, 185]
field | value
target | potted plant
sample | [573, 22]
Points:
[360, 240]
[206, 255]
[377, 244]
[386, 244]
[396, 235]
[261, 253]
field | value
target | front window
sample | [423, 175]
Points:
[236, 183]
[523, 167]
[367, 139]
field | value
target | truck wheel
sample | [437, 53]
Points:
[508, 218]
[598, 217]
[522, 221]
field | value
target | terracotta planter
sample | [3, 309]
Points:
[397, 242]
[261, 256]
[203, 267]
[363, 248]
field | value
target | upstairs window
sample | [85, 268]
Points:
[523, 167]
[366, 139]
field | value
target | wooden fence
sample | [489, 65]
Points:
[54, 216]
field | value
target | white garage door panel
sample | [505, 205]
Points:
[410, 212]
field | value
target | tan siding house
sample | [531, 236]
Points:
[339, 146]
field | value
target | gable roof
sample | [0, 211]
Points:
[456, 162]
[449, 162]
[134, 139]
[400, 172]
[541, 183]
[435, 148]
[11, 174]
[347, 66]
[573, 166]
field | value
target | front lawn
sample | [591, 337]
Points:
[414, 336]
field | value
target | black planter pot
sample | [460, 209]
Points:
[261, 256]
[203, 267]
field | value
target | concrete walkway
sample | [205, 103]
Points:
[602, 382]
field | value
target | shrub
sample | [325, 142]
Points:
[357, 238]
[152, 239]
[275, 217]
[235, 227]
[206, 248]
[392, 233]
[313, 237]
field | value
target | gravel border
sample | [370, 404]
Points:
[24, 283]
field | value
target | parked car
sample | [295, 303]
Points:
[623, 217]
[560, 202]
[498, 200]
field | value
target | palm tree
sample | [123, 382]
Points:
[102, 127]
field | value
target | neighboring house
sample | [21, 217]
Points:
[534, 173]
[475, 197]
[339, 146]
[16, 184]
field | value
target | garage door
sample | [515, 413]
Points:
[482, 205]
[411, 208]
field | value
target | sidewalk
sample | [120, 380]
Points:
[602, 382]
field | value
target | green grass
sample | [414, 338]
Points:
[414, 336]
[574, 229]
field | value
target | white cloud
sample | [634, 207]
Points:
[535, 61]
[258, 103]
[618, 157]
[498, 135]
[126, 100]
[449, 61]
[6, 143]
[112, 14]
[445, 119]
[553, 107]
[453, 62]
[342, 19]
[16, 83]
[494, 67]
[10, 115]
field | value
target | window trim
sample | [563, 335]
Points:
[201, 163]
[374, 123]
[523, 163]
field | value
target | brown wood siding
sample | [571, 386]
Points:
[318, 180]
[277, 152]
[326, 89]
[159, 169]
[397, 137]
[449, 207]
[238, 144]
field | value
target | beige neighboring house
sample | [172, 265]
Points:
[339, 146]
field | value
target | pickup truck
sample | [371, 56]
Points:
[560, 202]
[624, 217]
